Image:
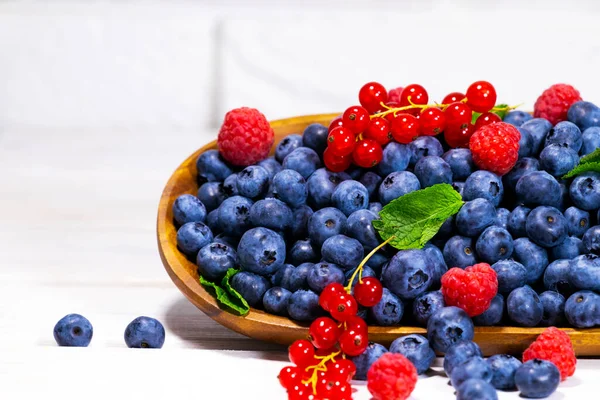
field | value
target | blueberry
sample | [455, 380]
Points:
[516, 221]
[303, 305]
[322, 274]
[424, 146]
[436, 257]
[476, 389]
[271, 166]
[537, 128]
[397, 184]
[144, 332]
[261, 251]
[546, 192]
[271, 213]
[503, 367]
[546, 226]
[474, 217]
[350, 196]
[371, 181]
[304, 160]
[234, 215]
[388, 311]
[214, 260]
[524, 306]
[283, 276]
[359, 227]
[325, 223]
[253, 181]
[591, 240]
[302, 251]
[585, 191]
[343, 251]
[354, 172]
[556, 277]
[494, 244]
[287, 145]
[473, 368]
[315, 137]
[511, 275]
[251, 287]
[493, 315]
[230, 186]
[300, 217]
[459, 251]
[553, 304]
[584, 114]
[231, 241]
[567, 134]
[366, 272]
[484, 185]
[460, 162]
[459, 187]
[537, 379]
[558, 159]
[501, 220]
[375, 207]
[211, 167]
[188, 208]
[396, 157]
[298, 277]
[364, 361]
[211, 194]
[565, 199]
[517, 117]
[578, 221]
[73, 330]
[533, 257]
[448, 326]
[584, 272]
[290, 187]
[425, 305]
[408, 274]
[582, 309]
[275, 300]
[570, 248]
[526, 144]
[193, 236]
[321, 185]
[591, 140]
[460, 352]
[416, 349]
[212, 221]
[524, 166]
[431, 170]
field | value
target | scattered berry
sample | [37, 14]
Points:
[368, 292]
[145, 332]
[554, 103]
[495, 147]
[537, 379]
[356, 119]
[392, 376]
[555, 346]
[371, 95]
[324, 333]
[73, 330]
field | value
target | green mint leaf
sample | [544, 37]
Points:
[416, 217]
[474, 118]
[593, 166]
[501, 113]
[592, 157]
[226, 295]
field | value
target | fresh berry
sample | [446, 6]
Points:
[408, 274]
[329, 294]
[364, 361]
[304, 306]
[432, 170]
[188, 208]
[553, 304]
[336, 163]
[425, 305]
[290, 187]
[287, 145]
[245, 136]
[436, 257]
[397, 184]
[416, 348]
[524, 306]
[581, 309]
[558, 159]
[493, 315]
[554, 103]
[360, 227]
[578, 221]
[481, 96]
[517, 117]
[350, 196]
[379, 130]
[324, 333]
[394, 95]
[471, 289]
[322, 274]
[546, 226]
[343, 306]
[368, 292]
[487, 118]
[503, 367]
[453, 98]
[413, 94]
[341, 141]
[459, 251]
[565, 134]
[424, 146]
[396, 157]
[272, 213]
[336, 122]
[547, 193]
[448, 326]
[474, 217]
[73, 330]
[215, 259]
[495, 147]
[353, 342]
[458, 116]
[356, 119]
[304, 160]
[473, 368]
[315, 137]
[555, 346]
[250, 286]
[302, 353]
[193, 236]
[494, 244]
[343, 251]
[145, 332]
[275, 300]
[289, 375]
[371, 95]
[476, 389]
[460, 162]
[367, 153]
[537, 379]
[511, 275]
[432, 121]
[459, 353]
[325, 223]
[459, 137]
[405, 128]
[211, 167]
[389, 310]
[585, 191]
[584, 114]
[392, 376]
[343, 369]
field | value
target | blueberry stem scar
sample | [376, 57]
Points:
[359, 269]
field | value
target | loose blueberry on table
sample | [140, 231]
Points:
[401, 211]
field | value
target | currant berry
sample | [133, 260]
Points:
[371, 95]
[302, 353]
[337, 121]
[343, 392]
[343, 307]
[391, 104]
[487, 118]
[458, 116]
[336, 163]
[405, 128]
[432, 121]
[368, 292]
[289, 375]
[415, 94]
[344, 369]
[324, 333]
[357, 323]
[453, 97]
[329, 294]
[459, 137]
[379, 131]
[341, 141]
[353, 343]
[300, 391]
[481, 96]
[356, 118]
[367, 154]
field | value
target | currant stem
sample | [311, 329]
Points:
[359, 269]
[443, 107]
[319, 367]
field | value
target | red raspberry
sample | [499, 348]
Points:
[394, 95]
[555, 346]
[391, 377]
[471, 289]
[554, 103]
[245, 137]
[495, 147]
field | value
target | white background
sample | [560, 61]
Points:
[101, 100]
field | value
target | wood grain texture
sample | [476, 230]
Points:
[263, 326]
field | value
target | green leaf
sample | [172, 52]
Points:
[592, 157]
[588, 166]
[416, 217]
[474, 118]
[501, 113]
[226, 295]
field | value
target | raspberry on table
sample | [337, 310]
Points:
[554, 103]
[495, 147]
[555, 346]
[471, 289]
[392, 376]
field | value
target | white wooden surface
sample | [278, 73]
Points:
[100, 101]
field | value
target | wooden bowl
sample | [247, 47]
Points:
[260, 325]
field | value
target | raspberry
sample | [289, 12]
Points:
[554, 103]
[495, 147]
[471, 289]
[391, 377]
[555, 346]
[245, 137]
[394, 95]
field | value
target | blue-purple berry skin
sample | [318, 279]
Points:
[524, 307]
[416, 348]
[360, 227]
[275, 300]
[459, 251]
[342, 250]
[408, 274]
[590, 140]
[144, 332]
[251, 287]
[188, 208]
[298, 277]
[315, 137]
[582, 309]
[460, 352]
[546, 226]
[554, 308]
[350, 196]
[73, 330]
[193, 236]
[211, 194]
[448, 326]
[570, 248]
[565, 134]
[591, 240]
[493, 315]
[321, 185]
[396, 157]
[485, 185]
[215, 259]
[474, 368]
[476, 389]
[511, 275]
[364, 361]
[517, 117]
[533, 257]
[578, 221]
[474, 217]
[584, 272]
[287, 145]
[425, 305]
[302, 251]
[556, 277]
[253, 181]
[389, 310]
[323, 274]
[504, 367]
[304, 160]
[537, 379]
[303, 305]
[494, 244]
[325, 223]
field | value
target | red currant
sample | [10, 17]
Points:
[379, 131]
[459, 137]
[356, 118]
[357, 323]
[487, 118]
[336, 163]
[458, 116]
[302, 353]
[391, 104]
[337, 121]
[344, 369]
[341, 141]
[343, 307]
[289, 375]
[367, 154]
[368, 292]
[415, 94]
[353, 343]
[371, 95]
[300, 391]
[453, 97]
[328, 389]
[343, 392]
[405, 128]
[324, 333]
[481, 96]
[329, 294]
[432, 121]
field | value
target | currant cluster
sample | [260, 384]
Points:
[357, 136]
